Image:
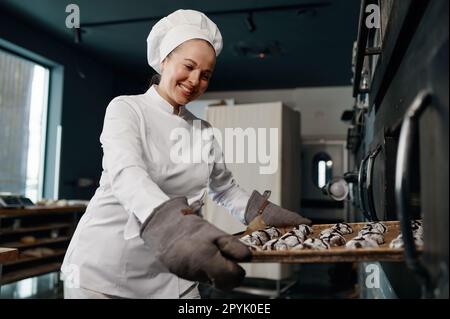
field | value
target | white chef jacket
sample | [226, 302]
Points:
[106, 253]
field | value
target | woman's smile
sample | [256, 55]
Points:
[185, 90]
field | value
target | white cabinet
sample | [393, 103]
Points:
[275, 129]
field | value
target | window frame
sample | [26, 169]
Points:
[53, 131]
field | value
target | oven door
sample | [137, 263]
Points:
[381, 181]
[410, 131]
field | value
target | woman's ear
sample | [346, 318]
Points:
[162, 65]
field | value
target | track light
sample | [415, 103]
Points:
[249, 22]
[311, 12]
[77, 35]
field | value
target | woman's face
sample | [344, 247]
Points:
[186, 72]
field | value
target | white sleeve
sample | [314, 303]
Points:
[223, 188]
[124, 163]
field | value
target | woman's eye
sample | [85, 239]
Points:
[206, 77]
[189, 67]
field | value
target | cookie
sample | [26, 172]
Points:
[361, 242]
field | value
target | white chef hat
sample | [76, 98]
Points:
[176, 28]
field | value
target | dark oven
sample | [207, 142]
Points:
[398, 135]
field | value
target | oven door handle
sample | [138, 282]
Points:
[361, 181]
[369, 185]
[408, 133]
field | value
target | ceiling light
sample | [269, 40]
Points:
[77, 35]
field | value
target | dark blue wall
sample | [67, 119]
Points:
[88, 86]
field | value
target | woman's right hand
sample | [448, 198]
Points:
[192, 248]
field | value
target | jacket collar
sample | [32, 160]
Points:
[162, 103]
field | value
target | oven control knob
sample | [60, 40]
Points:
[337, 189]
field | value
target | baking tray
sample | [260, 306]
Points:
[336, 254]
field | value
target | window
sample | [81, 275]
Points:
[23, 116]
[322, 169]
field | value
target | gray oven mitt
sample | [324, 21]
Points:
[192, 248]
[271, 214]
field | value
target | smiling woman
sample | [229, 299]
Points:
[142, 235]
[141, 189]
[185, 73]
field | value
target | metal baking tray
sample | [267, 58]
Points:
[336, 254]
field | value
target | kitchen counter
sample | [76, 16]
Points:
[8, 254]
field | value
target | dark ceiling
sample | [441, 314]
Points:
[307, 47]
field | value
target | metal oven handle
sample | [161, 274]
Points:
[408, 132]
[361, 181]
[369, 187]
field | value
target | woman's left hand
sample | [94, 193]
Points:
[272, 215]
